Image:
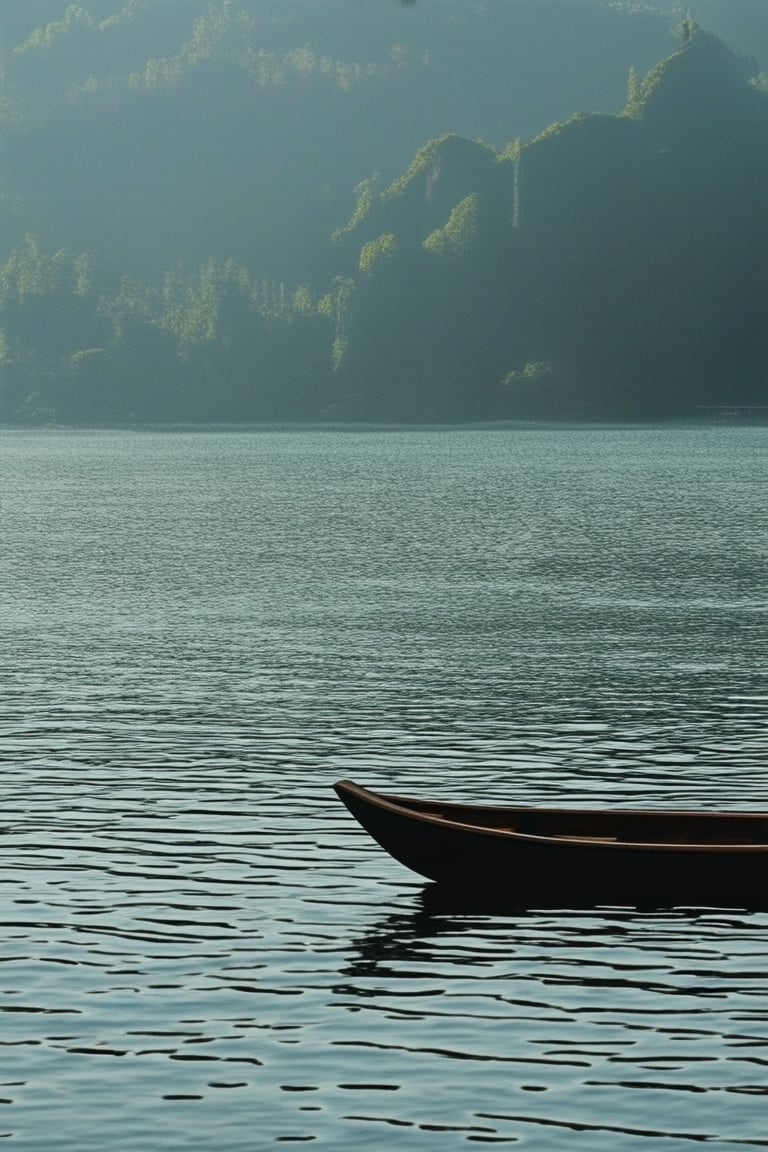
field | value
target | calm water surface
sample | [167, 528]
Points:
[200, 632]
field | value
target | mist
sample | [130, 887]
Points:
[262, 210]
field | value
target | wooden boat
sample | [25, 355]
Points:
[529, 854]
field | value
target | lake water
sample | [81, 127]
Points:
[201, 631]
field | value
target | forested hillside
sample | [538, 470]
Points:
[253, 210]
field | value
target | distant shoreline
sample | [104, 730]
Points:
[363, 426]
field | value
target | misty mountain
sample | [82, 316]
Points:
[625, 281]
[191, 129]
[274, 209]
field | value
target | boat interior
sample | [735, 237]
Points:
[642, 826]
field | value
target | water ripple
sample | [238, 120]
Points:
[198, 946]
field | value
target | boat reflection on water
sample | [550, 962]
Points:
[614, 1022]
[440, 914]
[401, 942]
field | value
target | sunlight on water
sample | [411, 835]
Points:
[202, 631]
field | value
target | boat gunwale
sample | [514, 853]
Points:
[399, 806]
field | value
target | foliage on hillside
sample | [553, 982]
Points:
[159, 267]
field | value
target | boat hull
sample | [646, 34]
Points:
[525, 869]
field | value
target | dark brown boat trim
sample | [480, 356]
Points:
[508, 823]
